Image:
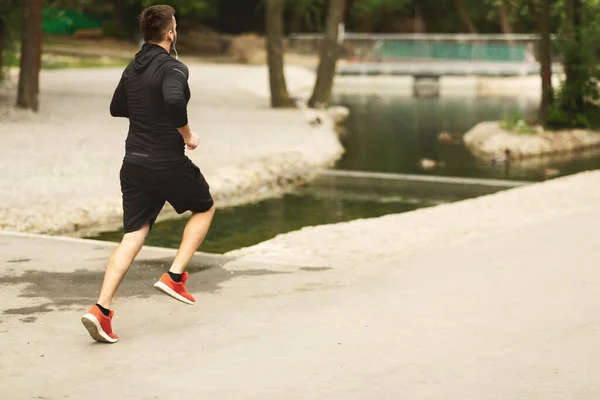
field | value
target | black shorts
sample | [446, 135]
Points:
[146, 191]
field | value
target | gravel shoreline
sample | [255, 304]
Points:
[60, 167]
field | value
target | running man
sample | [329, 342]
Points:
[153, 93]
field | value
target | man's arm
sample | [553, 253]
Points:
[174, 83]
[118, 105]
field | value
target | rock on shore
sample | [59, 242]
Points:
[487, 139]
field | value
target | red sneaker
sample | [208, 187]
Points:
[175, 289]
[99, 326]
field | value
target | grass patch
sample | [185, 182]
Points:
[515, 123]
[53, 62]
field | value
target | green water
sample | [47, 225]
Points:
[242, 226]
[385, 135]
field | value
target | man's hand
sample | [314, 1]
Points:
[190, 138]
[192, 141]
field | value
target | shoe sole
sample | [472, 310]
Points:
[161, 287]
[92, 325]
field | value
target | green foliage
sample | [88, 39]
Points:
[310, 12]
[578, 98]
[370, 7]
[559, 118]
[10, 12]
[183, 7]
[206, 8]
[120, 16]
[443, 16]
[375, 11]
[516, 9]
[515, 123]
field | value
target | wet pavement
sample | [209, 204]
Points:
[71, 275]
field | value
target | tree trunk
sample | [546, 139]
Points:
[518, 23]
[545, 60]
[298, 12]
[569, 12]
[274, 20]
[464, 15]
[362, 21]
[573, 61]
[577, 15]
[504, 18]
[419, 26]
[31, 55]
[2, 39]
[122, 21]
[330, 50]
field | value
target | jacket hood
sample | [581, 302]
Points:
[144, 57]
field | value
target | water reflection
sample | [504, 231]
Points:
[250, 224]
[392, 134]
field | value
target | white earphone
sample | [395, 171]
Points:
[174, 49]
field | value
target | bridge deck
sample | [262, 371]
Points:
[436, 68]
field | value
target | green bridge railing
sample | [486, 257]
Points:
[436, 47]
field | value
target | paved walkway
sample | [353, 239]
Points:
[60, 168]
[511, 314]
[362, 242]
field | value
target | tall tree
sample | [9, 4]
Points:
[574, 71]
[298, 12]
[305, 14]
[330, 49]
[464, 15]
[274, 24]
[8, 10]
[2, 41]
[362, 20]
[503, 15]
[569, 17]
[31, 55]
[545, 54]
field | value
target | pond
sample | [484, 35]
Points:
[392, 134]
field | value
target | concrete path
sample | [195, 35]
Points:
[513, 315]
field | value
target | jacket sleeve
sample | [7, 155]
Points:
[118, 105]
[173, 87]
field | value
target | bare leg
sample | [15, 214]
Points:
[193, 235]
[119, 263]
